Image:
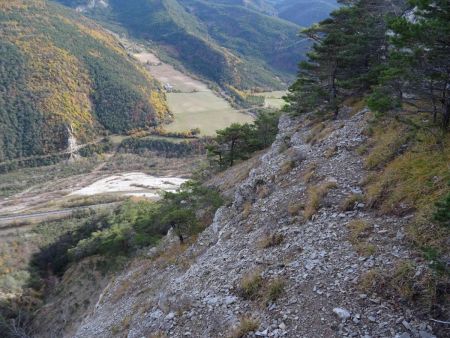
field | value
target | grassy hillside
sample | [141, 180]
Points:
[228, 42]
[60, 72]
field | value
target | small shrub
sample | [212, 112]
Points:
[274, 290]
[271, 240]
[350, 202]
[250, 285]
[246, 325]
[315, 197]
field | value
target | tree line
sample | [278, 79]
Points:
[239, 141]
[394, 52]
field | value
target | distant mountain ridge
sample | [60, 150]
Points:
[230, 42]
[304, 12]
[60, 76]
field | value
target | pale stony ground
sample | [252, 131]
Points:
[131, 184]
[193, 293]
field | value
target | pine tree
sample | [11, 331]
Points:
[345, 58]
[418, 69]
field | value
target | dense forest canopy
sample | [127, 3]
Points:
[61, 74]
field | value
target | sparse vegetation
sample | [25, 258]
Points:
[294, 208]
[246, 209]
[351, 201]
[309, 173]
[315, 196]
[250, 285]
[275, 289]
[246, 325]
[359, 229]
[330, 152]
[371, 281]
[359, 232]
[271, 240]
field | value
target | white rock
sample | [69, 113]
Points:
[341, 313]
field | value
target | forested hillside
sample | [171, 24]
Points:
[229, 42]
[61, 74]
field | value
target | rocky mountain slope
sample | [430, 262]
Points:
[284, 258]
[61, 75]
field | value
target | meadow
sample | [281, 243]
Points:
[203, 110]
[274, 99]
[192, 103]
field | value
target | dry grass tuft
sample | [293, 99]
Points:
[386, 144]
[372, 281]
[318, 132]
[360, 230]
[262, 191]
[330, 152]
[287, 167]
[250, 285]
[271, 240]
[365, 249]
[246, 209]
[403, 279]
[274, 290]
[350, 202]
[246, 325]
[315, 196]
[294, 208]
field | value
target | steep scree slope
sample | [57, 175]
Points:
[194, 292]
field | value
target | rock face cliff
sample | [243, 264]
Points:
[264, 267]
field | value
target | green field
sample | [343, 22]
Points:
[274, 99]
[203, 110]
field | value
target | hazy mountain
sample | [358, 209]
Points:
[304, 12]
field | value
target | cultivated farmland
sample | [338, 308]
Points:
[193, 104]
